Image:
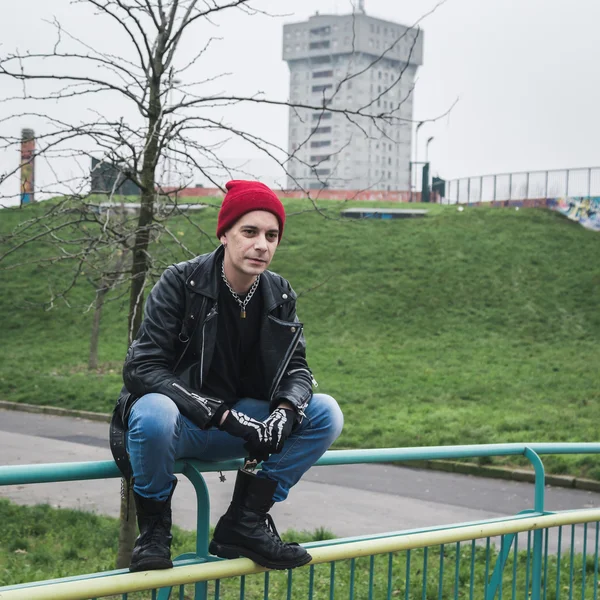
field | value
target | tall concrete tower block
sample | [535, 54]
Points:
[27, 166]
[359, 63]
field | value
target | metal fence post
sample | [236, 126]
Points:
[510, 187]
[546, 191]
[494, 187]
[481, 189]
[469, 191]
[589, 185]
[527, 187]
[567, 182]
[536, 575]
[193, 473]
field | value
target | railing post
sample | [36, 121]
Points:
[481, 189]
[589, 185]
[494, 188]
[510, 187]
[469, 191]
[527, 187]
[567, 184]
[546, 192]
[192, 472]
[538, 535]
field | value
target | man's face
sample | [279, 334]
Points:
[251, 243]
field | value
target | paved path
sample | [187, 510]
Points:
[348, 500]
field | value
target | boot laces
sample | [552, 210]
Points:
[273, 533]
[157, 532]
[272, 530]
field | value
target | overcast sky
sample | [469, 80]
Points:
[526, 74]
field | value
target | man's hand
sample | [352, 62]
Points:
[254, 432]
[278, 427]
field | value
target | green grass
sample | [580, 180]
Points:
[467, 327]
[39, 543]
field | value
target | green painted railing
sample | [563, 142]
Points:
[425, 554]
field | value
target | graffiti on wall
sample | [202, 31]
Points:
[585, 210]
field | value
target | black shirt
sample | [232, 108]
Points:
[235, 371]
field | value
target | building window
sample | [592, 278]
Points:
[319, 158]
[323, 171]
[319, 74]
[319, 44]
[319, 60]
[323, 116]
[320, 144]
[320, 30]
[321, 88]
[321, 130]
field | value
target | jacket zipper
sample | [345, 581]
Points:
[211, 314]
[195, 397]
[287, 362]
[314, 381]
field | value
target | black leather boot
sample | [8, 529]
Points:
[152, 548]
[246, 529]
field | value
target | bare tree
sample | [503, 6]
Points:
[147, 114]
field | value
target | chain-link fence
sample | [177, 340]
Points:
[529, 185]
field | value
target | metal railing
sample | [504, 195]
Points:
[525, 185]
[533, 554]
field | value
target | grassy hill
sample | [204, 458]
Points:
[464, 327]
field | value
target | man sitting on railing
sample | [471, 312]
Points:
[218, 371]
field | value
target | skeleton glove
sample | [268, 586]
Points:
[279, 425]
[254, 432]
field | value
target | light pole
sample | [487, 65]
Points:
[414, 178]
[427, 148]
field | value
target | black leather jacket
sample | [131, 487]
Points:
[174, 346]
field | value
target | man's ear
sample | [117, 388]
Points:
[223, 239]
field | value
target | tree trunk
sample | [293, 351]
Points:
[127, 530]
[93, 358]
[139, 272]
[108, 283]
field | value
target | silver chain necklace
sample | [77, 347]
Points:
[249, 295]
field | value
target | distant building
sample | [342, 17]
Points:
[330, 151]
[108, 178]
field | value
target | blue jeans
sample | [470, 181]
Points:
[159, 434]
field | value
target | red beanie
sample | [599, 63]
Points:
[245, 196]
